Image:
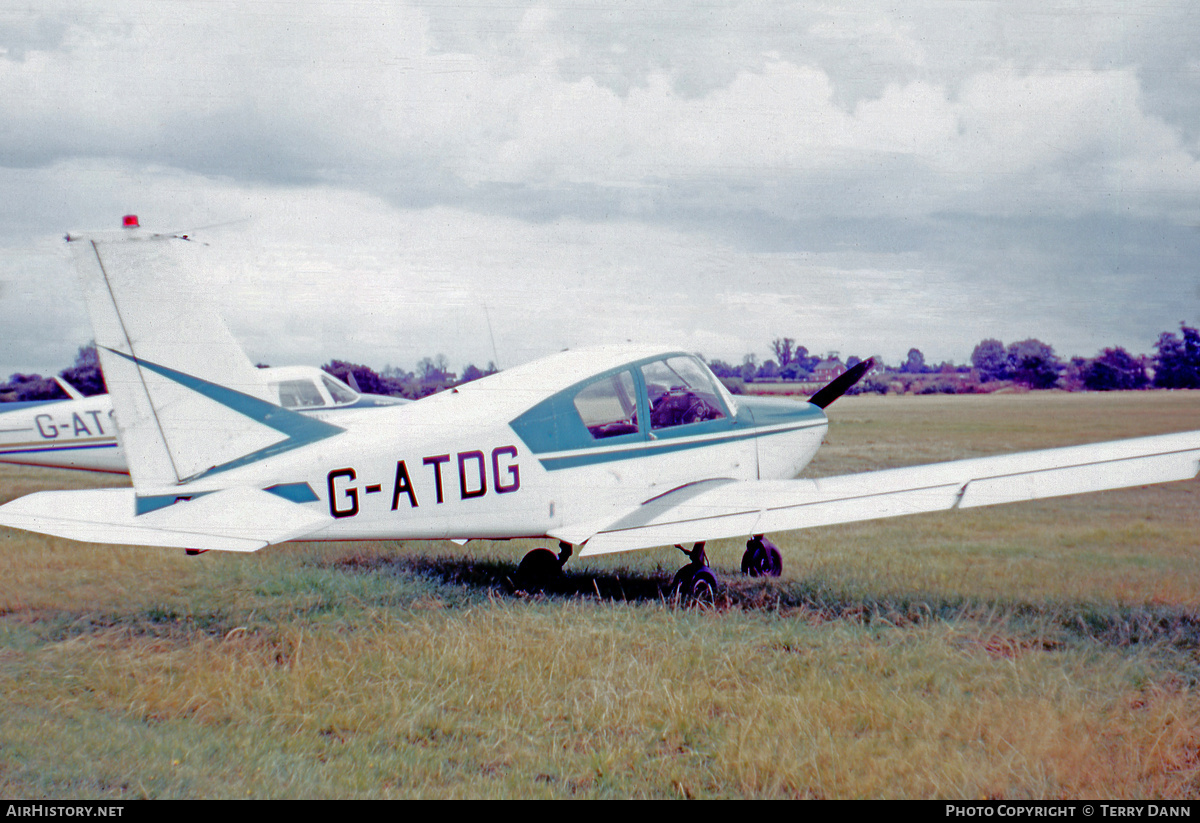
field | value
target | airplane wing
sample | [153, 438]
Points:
[235, 519]
[729, 508]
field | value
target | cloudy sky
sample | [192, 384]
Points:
[388, 181]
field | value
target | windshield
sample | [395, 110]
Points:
[340, 394]
[680, 392]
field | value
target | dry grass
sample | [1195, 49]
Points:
[1043, 650]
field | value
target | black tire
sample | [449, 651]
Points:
[681, 584]
[752, 559]
[773, 565]
[539, 569]
[762, 559]
[695, 586]
[704, 589]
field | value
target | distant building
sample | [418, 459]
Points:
[827, 370]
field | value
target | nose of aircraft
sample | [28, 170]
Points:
[774, 411]
[788, 433]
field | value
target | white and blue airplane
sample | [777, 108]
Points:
[604, 450]
[80, 433]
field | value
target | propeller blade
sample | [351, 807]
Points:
[839, 385]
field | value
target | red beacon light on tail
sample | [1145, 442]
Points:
[130, 221]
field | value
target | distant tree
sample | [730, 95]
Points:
[914, 363]
[1177, 364]
[852, 361]
[783, 350]
[471, 372]
[768, 371]
[722, 369]
[803, 362]
[85, 375]
[1114, 369]
[33, 387]
[434, 370]
[368, 381]
[1034, 364]
[991, 359]
[749, 367]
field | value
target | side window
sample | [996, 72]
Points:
[680, 392]
[299, 394]
[337, 391]
[608, 407]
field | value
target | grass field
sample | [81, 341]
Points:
[1037, 650]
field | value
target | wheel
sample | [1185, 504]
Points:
[704, 588]
[762, 558]
[539, 568]
[681, 584]
[695, 585]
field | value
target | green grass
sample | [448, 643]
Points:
[1040, 650]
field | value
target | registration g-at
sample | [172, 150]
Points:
[605, 449]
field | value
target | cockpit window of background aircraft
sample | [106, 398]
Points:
[337, 391]
[299, 394]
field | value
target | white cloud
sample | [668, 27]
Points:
[370, 102]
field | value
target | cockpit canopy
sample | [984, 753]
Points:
[666, 396]
[306, 387]
[679, 391]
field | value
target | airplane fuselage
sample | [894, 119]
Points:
[69, 434]
[474, 463]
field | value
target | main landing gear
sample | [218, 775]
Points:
[695, 582]
[762, 558]
[541, 567]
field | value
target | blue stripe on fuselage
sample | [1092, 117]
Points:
[300, 430]
[62, 448]
[653, 448]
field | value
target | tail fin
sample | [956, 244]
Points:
[186, 397]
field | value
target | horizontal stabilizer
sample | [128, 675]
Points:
[238, 519]
[742, 508]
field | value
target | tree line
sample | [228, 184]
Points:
[1030, 363]
[431, 375]
[1175, 365]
